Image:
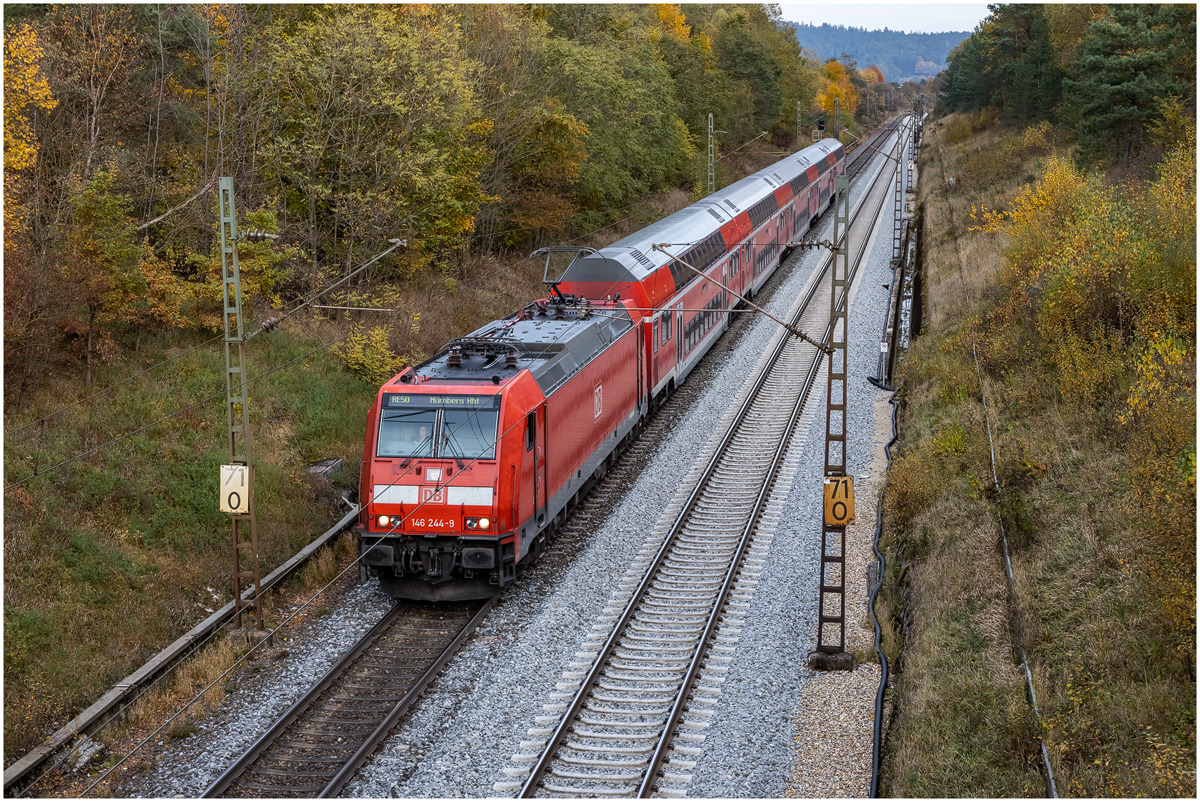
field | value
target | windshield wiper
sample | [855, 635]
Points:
[449, 444]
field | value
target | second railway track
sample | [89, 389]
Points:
[640, 700]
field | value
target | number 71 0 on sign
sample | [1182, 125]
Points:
[839, 500]
[235, 489]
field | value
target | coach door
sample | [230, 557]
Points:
[655, 339]
[641, 390]
[540, 461]
[525, 498]
[724, 294]
[679, 333]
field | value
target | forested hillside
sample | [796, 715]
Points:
[1117, 77]
[461, 129]
[474, 133]
[901, 56]
[1042, 504]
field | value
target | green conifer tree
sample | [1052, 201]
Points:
[1130, 61]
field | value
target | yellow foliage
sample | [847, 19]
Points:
[25, 90]
[1174, 194]
[835, 85]
[367, 354]
[1054, 195]
[672, 22]
[833, 71]
[1037, 137]
[1159, 367]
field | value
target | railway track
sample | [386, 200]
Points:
[322, 740]
[636, 717]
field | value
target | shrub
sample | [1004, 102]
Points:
[367, 354]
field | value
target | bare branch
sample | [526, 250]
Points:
[149, 223]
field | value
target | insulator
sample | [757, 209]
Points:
[270, 324]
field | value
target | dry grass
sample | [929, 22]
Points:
[319, 571]
[188, 679]
[1117, 700]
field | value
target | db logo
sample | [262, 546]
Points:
[599, 399]
[433, 495]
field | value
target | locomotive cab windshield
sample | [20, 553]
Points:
[438, 426]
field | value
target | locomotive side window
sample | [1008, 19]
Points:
[530, 431]
[656, 336]
[406, 432]
[469, 433]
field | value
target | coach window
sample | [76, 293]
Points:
[530, 430]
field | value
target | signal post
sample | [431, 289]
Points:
[237, 478]
[838, 483]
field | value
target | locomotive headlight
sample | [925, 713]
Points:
[384, 520]
[485, 523]
[478, 523]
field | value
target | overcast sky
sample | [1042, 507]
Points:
[908, 17]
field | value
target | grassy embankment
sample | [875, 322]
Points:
[110, 558]
[1080, 302]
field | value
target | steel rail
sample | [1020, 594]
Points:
[294, 712]
[539, 770]
[649, 782]
[385, 727]
[654, 769]
[104, 710]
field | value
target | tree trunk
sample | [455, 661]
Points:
[88, 382]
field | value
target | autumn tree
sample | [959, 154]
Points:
[836, 86]
[26, 94]
[377, 133]
[701, 86]
[537, 147]
[746, 58]
[600, 84]
[873, 75]
[94, 49]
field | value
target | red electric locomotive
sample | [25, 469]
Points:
[473, 457]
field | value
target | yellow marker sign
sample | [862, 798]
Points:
[839, 500]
